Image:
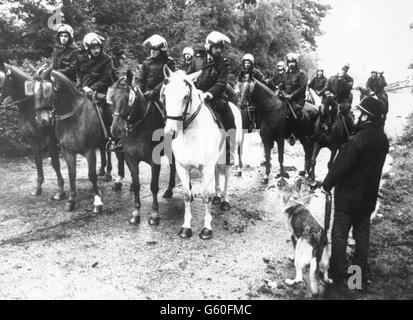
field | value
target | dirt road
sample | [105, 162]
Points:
[46, 252]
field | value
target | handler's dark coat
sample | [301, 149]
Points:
[376, 85]
[96, 73]
[295, 83]
[318, 83]
[214, 77]
[65, 59]
[356, 172]
[341, 87]
[252, 72]
[150, 76]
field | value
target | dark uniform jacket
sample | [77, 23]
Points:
[356, 172]
[295, 83]
[278, 79]
[188, 66]
[214, 77]
[150, 75]
[96, 73]
[65, 59]
[318, 83]
[341, 87]
[252, 72]
[376, 84]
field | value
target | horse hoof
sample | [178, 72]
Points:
[265, 181]
[135, 221]
[281, 183]
[36, 193]
[70, 206]
[283, 175]
[167, 194]
[108, 177]
[302, 173]
[238, 174]
[313, 185]
[154, 221]
[263, 164]
[225, 206]
[117, 186]
[216, 200]
[185, 233]
[205, 234]
[101, 172]
[98, 210]
[59, 196]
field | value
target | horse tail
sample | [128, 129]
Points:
[238, 123]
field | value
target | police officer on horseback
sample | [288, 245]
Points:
[249, 71]
[188, 63]
[150, 76]
[65, 53]
[339, 88]
[293, 89]
[278, 77]
[318, 82]
[213, 81]
[96, 73]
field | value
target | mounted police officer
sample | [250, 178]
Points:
[339, 87]
[188, 64]
[249, 71]
[65, 52]
[318, 82]
[293, 89]
[96, 73]
[150, 76]
[213, 81]
[355, 175]
[376, 84]
[278, 77]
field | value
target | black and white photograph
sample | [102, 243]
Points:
[217, 152]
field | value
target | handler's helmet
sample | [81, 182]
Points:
[281, 65]
[248, 57]
[65, 28]
[93, 39]
[216, 38]
[156, 42]
[292, 57]
[188, 50]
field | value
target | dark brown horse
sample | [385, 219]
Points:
[139, 126]
[78, 128]
[273, 112]
[331, 133]
[38, 134]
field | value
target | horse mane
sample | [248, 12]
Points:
[18, 72]
[66, 86]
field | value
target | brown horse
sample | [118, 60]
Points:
[38, 134]
[273, 112]
[139, 126]
[331, 133]
[78, 128]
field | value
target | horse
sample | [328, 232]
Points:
[135, 123]
[273, 112]
[331, 134]
[198, 143]
[78, 128]
[38, 134]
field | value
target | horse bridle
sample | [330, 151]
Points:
[186, 122]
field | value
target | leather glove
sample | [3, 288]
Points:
[149, 94]
[86, 89]
[206, 96]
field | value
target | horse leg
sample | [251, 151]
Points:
[121, 171]
[108, 174]
[208, 179]
[225, 206]
[91, 161]
[102, 151]
[39, 167]
[172, 174]
[71, 168]
[154, 218]
[316, 151]
[307, 146]
[240, 151]
[332, 157]
[280, 147]
[183, 173]
[54, 155]
[217, 197]
[267, 151]
[136, 186]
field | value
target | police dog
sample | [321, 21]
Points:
[310, 243]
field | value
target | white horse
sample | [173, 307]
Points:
[198, 144]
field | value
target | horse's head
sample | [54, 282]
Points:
[123, 96]
[5, 81]
[244, 90]
[178, 94]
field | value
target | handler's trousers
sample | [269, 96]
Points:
[343, 221]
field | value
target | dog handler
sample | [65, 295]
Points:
[356, 175]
